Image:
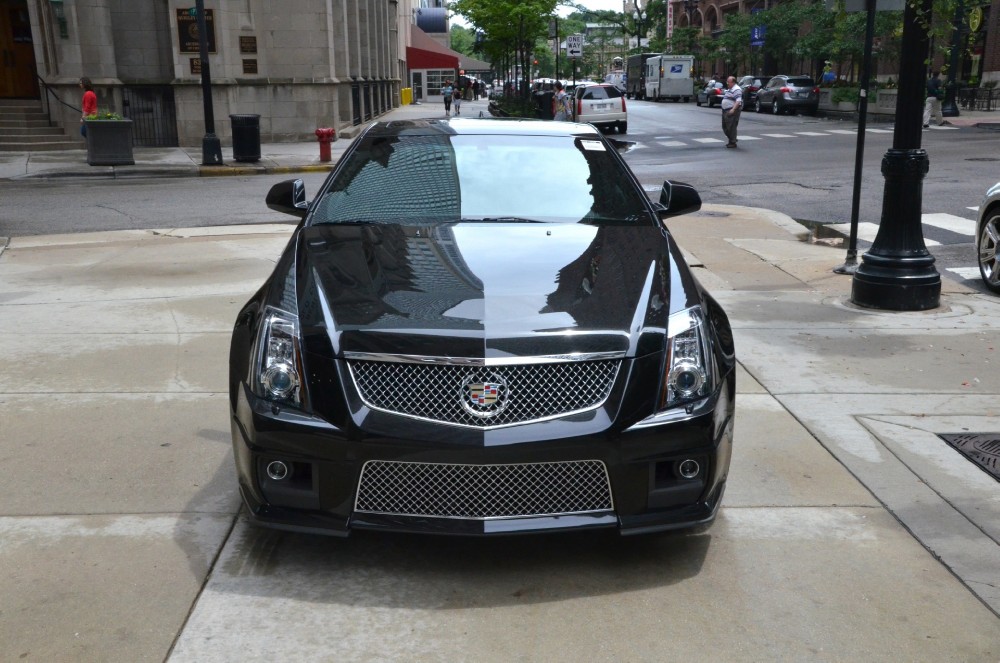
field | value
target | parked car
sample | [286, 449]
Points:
[750, 86]
[482, 326]
[988, 234]
[783, 94]
[602, 105]
[711, 94]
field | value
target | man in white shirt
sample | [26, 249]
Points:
[732, 106]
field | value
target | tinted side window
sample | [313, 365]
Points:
[801, 82]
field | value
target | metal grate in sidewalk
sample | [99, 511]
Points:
[983, 449]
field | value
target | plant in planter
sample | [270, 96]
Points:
[109, 139]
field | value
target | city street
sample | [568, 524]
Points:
[850, 531]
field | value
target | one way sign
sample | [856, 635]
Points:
[574, 46]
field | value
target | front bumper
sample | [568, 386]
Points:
[648, 494]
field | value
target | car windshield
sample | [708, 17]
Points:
[801, 82]
[421, 179]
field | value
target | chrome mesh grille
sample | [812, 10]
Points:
[447, 392]
[480, 492]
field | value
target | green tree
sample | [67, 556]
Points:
[463, 40]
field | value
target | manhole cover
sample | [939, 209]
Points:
[983, 449]
[983, 159]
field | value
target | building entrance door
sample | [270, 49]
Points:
[17, 52]
[417, 83]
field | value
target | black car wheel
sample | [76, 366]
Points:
[623, 127]
[775, 109]
[989, 241]
[698, 101]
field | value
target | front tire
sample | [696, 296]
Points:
[775, 108]
[989, 241]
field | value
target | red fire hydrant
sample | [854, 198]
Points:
[325, 136]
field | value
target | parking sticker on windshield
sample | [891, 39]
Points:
[592, 145]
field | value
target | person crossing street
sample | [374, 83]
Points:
[732, 106]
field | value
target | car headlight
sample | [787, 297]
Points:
[689, 369]
[278, 364]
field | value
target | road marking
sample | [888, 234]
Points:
[708, 140]
[778, 135]
[842, 131]
[651, 188]
[867, 232]
[671, 143]
[974, 209]
[811, 133]
[955, 224]
[942, 128]
[879, 131]
[749, 138]
[966, 272]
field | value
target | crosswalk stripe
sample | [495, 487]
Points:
[966, 272]
[974, 209]
[708, 140]
[867, 232]
[811, 133]
[778, 135]
[955, 224]
[671, 143]
[942, 128]
[879, 131]
[749, 138]
[842, 131]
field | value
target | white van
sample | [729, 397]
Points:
[669, 77]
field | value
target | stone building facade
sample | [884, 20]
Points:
[298, 64]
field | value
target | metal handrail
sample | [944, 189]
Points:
[55, 96]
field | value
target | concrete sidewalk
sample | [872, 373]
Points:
[849, 530]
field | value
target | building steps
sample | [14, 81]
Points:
[24, 127]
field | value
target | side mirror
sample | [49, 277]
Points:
[677, 198]
[288, 197]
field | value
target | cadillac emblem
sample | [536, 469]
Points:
[484, 399]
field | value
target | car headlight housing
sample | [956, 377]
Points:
[278, 365]
[689, 369]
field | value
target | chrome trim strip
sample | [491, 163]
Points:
[493, 361]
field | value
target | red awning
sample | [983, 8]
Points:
[425, 53]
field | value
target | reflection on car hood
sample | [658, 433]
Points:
[484, 289]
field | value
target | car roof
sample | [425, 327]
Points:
[480, 126]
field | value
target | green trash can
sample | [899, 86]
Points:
[246, 137]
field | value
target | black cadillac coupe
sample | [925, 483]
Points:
[482, 327]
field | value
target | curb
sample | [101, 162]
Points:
[226, 171]
[128, 172]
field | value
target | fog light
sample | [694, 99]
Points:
[689, 468]
[278, 470]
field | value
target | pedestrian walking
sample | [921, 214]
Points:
[932, 107]
[732, 106]
[456, 98]
[89, 103]
[560, 104]
[446, 91]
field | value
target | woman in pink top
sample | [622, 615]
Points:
[89, 103]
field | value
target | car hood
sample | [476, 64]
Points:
[487, 290]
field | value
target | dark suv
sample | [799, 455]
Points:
[750, 86]
[786, 93]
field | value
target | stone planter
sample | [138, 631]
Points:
[109, 143]
[885, 102]
[826, 102]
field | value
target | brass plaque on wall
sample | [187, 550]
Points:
[195, 66]
[249, 66]
[187, 31]
[248, 44]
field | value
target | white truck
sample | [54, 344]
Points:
[669, 77]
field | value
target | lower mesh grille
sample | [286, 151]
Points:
[480, 492]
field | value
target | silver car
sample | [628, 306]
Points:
[988, 234]
[787, 93]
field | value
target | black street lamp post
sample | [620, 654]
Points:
[949, 107]
[211, 148]
[898, 273]
[639, 17]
